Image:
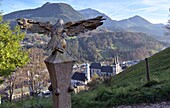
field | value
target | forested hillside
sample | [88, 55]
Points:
[96, 46]
[104, 45]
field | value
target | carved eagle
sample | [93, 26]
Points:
[71, 28]
[56, 31]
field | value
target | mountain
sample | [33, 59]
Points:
[48, 12]
[52, 11]
[135, 21]
[139, 24]
[133, 24]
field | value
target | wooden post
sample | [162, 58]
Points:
[60, 72]
[147, 69]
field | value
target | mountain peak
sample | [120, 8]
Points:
[89, 9]
[47, 3]
[56, 5]
[136, 16]
[139, 20]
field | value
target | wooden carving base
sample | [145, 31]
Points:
[60, 75]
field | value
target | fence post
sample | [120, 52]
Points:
[147, 69]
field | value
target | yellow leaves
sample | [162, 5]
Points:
[11, 53]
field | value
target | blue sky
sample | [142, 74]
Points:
[155, 11]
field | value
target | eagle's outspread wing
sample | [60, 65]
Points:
[74, 28]
[35, 27]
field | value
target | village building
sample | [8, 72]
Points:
[106, 71]
[95, 68]
[78, 79]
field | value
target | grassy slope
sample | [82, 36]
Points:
[130, 86]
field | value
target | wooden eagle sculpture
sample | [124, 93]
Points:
[59, 30]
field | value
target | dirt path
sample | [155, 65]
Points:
[155, 105]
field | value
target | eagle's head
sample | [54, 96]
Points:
[60, 22]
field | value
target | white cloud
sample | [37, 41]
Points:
[122, 8]
[160, 4]
[146, 10]
[155, 2]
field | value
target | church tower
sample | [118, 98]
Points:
[116, 66]
[87, 72]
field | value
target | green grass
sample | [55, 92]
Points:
[130, 86]
[34, 102]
